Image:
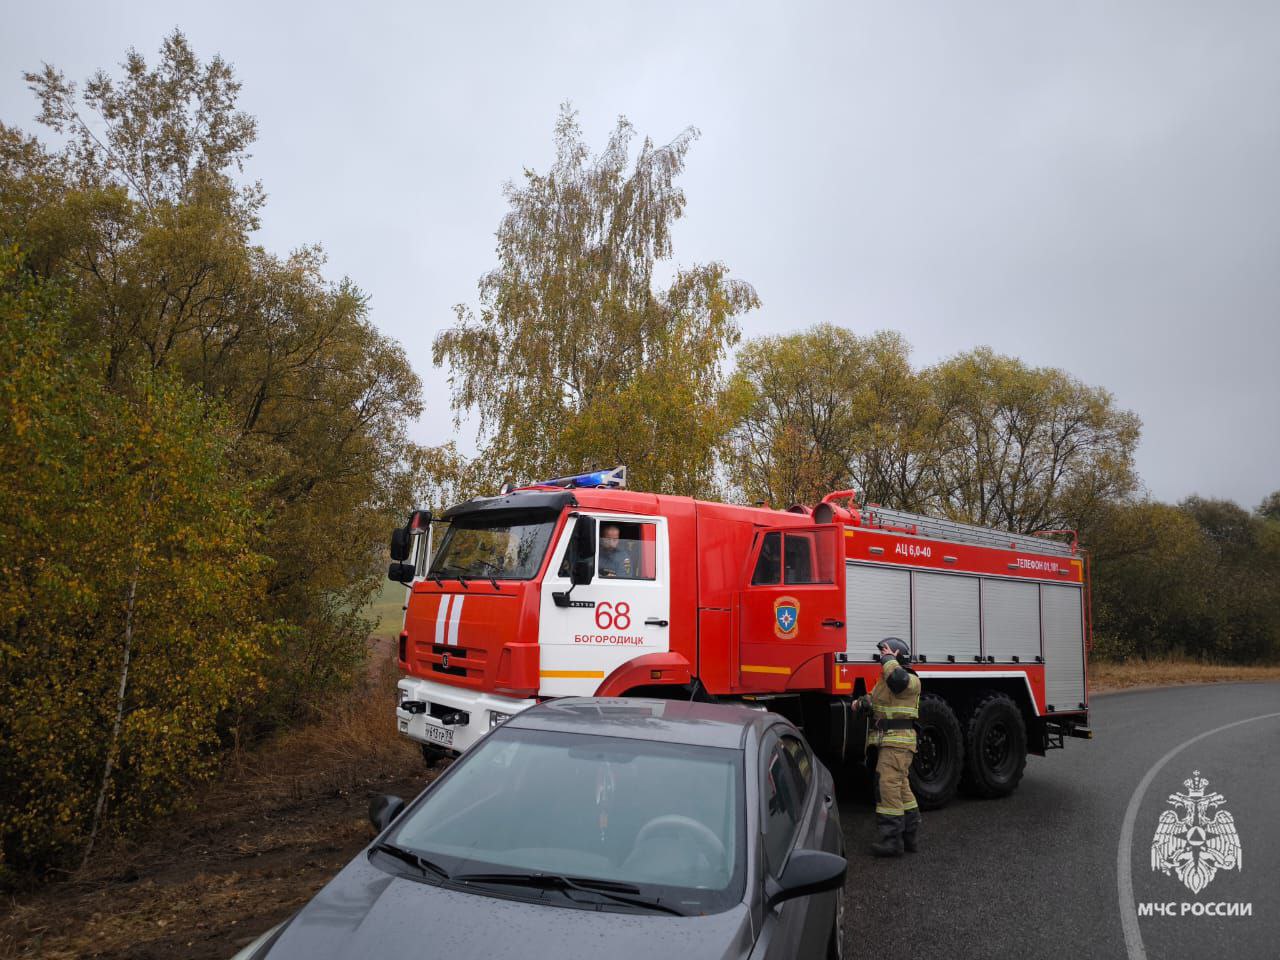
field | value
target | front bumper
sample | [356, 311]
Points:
[429, 727]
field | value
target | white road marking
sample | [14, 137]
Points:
[1124, 875]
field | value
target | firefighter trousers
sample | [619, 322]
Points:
[893, 789]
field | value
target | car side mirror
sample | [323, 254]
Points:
[384, 809]
[400, 572]
[401, 544]
[809, 872]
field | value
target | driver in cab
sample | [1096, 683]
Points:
[617, 557]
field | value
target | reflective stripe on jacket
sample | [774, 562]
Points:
[888, 705]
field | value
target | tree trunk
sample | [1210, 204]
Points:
[113, 748]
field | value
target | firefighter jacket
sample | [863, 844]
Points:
[893, 714]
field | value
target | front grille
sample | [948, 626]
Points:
[452, 655]
[464, 666]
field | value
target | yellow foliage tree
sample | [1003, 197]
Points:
[132, 585]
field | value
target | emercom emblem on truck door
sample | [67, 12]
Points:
[786, 617]
[606, 599]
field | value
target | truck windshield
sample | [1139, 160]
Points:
[502, 546]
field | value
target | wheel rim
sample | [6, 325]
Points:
[997, 749]
[931, 755]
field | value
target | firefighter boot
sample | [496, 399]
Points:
[910, 824]
[890, 842]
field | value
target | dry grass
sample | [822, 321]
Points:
[254, 845]
[1105, 675]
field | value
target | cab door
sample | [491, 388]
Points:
[791, 610]
[622, 613]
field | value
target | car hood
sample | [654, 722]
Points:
[365, 912]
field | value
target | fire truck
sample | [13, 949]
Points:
[578, 586]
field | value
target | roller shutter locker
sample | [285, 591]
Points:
[877, 605]
[946, 616]
[1010, 619]
[1063, 620]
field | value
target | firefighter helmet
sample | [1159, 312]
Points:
[896, 649]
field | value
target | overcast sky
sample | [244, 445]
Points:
[1091, 186]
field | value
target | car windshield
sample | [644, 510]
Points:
[664, 818]
[501, 546]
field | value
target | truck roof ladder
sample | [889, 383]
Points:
[874, 516]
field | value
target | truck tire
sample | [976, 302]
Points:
[939, 762]
[995, 747]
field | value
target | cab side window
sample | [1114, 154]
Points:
[808, 556]
[782, 808]
[627, 551]
[769, 564]
[799, 560]
[570, 553]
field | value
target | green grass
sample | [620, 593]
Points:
[387, 610]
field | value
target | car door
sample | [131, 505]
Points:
[793, 928]
[623, 613]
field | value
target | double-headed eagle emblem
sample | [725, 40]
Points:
[1195, 846]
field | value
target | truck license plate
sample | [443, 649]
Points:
[442, 735]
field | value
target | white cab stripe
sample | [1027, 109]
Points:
[454, 616]
[442, 615]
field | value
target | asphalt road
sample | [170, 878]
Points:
[1041, 873]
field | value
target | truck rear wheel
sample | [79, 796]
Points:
[935, 772]
[995, 747]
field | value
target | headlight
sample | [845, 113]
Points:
[497, 719]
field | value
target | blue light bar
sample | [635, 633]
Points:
[616, 478]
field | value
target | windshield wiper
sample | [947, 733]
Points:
[453, 575]
[616, 891]
[413, 859]
[493, 569]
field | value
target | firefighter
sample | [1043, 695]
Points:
[894, 706]
[616, 556]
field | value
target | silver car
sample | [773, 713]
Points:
[591, 827]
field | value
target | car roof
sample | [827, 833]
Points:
[639, 718]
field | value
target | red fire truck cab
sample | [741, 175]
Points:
[580, 587]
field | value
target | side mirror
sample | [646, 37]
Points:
[584, 552]
[582, 572]
[808, 872]
[384, 809]
[401, 544]
[400, 572]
